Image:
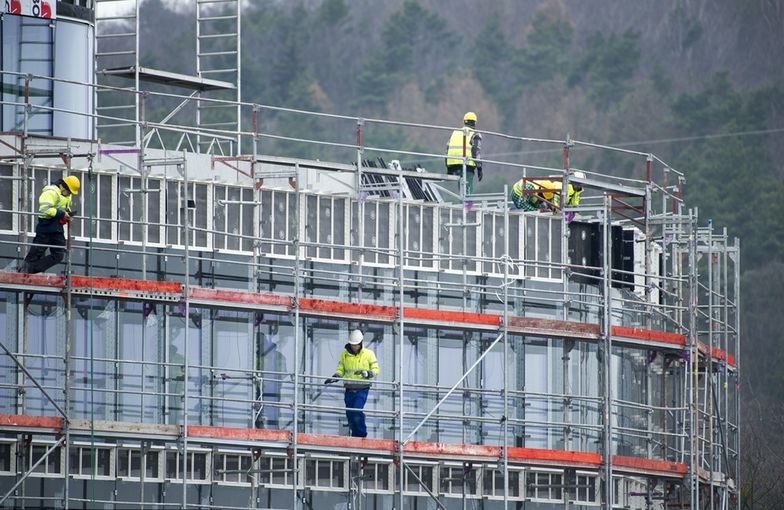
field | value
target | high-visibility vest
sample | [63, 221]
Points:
[454, 149]
[50, 200]
[349, 363]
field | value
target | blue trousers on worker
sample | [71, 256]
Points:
[356, 419]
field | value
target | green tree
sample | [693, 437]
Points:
[415, 44]
[606, 66]
[546, 52]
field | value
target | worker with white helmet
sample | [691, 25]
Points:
[54, 211]
[357, 366]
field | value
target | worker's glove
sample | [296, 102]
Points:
[65, 219]
[479, 173]
[366, 374]
[332, 379]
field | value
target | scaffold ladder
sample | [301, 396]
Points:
[218, 58]
[117, 50]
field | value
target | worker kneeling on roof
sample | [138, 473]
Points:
[543, 194]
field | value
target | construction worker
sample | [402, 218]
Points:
[357, 365]
[466, 142]
[532, 194]
[544, 194]
[54, 211]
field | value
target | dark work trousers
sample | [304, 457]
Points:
[458, 170]
[356, 418]
[35, 261]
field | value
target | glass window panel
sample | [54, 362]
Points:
[231, 467]
[199, 463]
[323, 473]
[151, 470]
[125, 206]
[233, 215]
[339, 230]
[172, 468]
[173, 212]
[311, 225]
[248, 219]
[325, 227]
[6, 198]
[266, 220]
[136, 463]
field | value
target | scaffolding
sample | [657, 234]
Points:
[528, 360]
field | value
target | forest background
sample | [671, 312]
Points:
[697, 82]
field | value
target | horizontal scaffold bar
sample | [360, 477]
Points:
[345, 444]
[169, 291]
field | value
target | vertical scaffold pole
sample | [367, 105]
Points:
[606, 367]
[186, 290]
[736, 293]
[693, 364]
[505, 327]
[67, 360]
[401, 338]
[297, 339]
[360, 212]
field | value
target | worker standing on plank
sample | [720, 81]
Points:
[54, 211]
[357, 364]
[465, 142]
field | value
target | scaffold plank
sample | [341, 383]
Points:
[239, 433]
[553, 327]
[570, 457]
[649, 334]
[240, 297]
[452, 316]
[648, 466]
[331, 307]
[31, 422]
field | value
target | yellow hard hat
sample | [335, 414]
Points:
[547, 195]
[469, 117]
[73, 184]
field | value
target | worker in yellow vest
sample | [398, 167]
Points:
[54, 211]
[357, 365]
[467, 143]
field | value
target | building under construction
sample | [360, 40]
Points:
[586, 357]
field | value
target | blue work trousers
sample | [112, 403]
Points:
[356, 419]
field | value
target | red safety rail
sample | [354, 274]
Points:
[25, 421]
[330, 307]
[534, 325]
[649, 334]
[555, 456]
[97, 282]
[650, 465]
[452, 316]
[241, 297]
[275, 435]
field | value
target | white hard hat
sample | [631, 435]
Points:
[355, 337]
[579, 174]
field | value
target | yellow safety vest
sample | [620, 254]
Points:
[454, 149]
[350, 363]
[50, 201]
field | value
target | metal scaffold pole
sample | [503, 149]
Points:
[183, 166]
[401, 339]
[505, 326]
[297, 342]
[606, 339]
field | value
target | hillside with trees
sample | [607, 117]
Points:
[698, 82]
